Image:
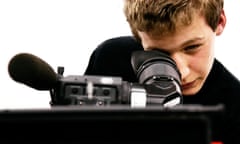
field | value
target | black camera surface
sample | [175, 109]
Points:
[159, 84]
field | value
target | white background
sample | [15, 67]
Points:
[65, 32]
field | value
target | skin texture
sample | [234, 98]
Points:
[191, 47]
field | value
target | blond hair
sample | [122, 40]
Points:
[165, 16]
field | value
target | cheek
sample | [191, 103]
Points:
[201, 62]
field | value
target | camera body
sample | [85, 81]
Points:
[106, 91]
[86, 90]
[159, 84]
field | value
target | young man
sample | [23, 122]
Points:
[186, 31]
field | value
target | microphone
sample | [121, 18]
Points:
[32, 71]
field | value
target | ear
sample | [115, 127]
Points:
[221, 23]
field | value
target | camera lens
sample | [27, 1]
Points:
[159, 75]
[151, 64]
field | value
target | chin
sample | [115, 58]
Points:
[190, 92]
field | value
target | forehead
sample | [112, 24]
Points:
[198, 29]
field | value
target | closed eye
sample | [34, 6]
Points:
[192, 47]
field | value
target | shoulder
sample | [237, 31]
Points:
[221, 86]
[226, 76]
[119, 44]
[116, 49]
[223, 81]
[226, 85]
[112, 57]
[230, 91]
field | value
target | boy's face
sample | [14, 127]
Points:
[191, 47]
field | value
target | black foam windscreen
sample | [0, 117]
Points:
[32, 71]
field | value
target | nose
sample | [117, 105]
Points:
[182, 64]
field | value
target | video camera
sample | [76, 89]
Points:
[159, 84]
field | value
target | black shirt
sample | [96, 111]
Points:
[112, 58]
